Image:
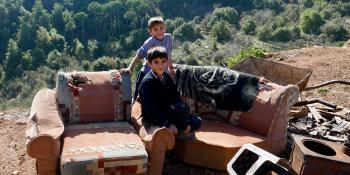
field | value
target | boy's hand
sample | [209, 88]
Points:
[263, 80]
[173, 129]
[187, 130]
[125, 70]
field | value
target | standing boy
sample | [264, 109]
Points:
[156, 28]
[160, 101]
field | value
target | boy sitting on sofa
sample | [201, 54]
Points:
[160, 101]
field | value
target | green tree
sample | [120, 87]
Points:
[263, 33]
[171, 25]
[49, 40]
[70, 24]
[40, 15]
[186, 32]
[38, 58]
[80, 17]
[43, 39]
[310, 22]
[55, 60]
[92, 46]
[296, 32]
[104, 63]
[306, 3]
[57, 17]
[13, 61]
[57, 41]
[136, 38]
[26, 34]
[220, 31]
[281, 34]
[96, 9]
[248, 26]
[78, 49]
[335, 31]
[228, 14]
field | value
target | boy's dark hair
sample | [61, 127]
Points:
[155, 21]
[156, 52]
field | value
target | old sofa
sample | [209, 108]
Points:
[82, 127]
[223, 132]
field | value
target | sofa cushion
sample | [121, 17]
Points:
[93, 96]
[102, 148]
[215, 144]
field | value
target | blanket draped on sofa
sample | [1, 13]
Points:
[220, 87]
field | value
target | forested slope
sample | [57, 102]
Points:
[38, 38]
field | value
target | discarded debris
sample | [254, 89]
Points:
[321, 122]
[316, 115]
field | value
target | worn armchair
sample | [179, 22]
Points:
[82, 126]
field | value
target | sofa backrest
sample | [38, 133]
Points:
[94, 96]
[269, 111]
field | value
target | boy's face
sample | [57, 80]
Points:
[158, 31]
[158, 65]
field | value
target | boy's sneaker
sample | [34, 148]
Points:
[183, 136]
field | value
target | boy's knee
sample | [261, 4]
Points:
[195, 122]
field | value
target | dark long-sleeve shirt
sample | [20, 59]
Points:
[157, 95]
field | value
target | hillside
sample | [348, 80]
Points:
[327, 63]
[38, 38]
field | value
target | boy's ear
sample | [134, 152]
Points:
[148, 63]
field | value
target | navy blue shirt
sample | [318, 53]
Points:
[157, 95]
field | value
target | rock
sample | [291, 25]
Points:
[21, 121]
[16, 172]
[347, 44]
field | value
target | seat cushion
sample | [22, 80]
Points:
[102, 148]
[215, 144]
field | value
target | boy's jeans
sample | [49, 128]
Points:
[181, 117]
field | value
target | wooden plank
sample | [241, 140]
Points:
[315, 114]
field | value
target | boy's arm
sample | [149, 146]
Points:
[151, 107]
[170, 62]
[141, 53]
[133, 63]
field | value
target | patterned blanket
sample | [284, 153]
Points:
[220, 87]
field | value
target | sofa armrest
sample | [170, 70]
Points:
[44, 128]
[278, 129]
[157, 140]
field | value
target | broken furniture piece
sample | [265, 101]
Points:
[279, 73]
[315, 156]
[224, 132]
[253, 160]
[82, 126]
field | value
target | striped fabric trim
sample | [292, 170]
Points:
[99, 125]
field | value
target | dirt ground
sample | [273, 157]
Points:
[327, 63]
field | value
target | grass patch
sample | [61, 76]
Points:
[323, 91]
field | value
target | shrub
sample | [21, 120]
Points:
[220, 31]
[281, 34]
[335, 31]
[245, 53]
[228, 14]
[104, 63]
[186, 32]
[263, 33]
[310, 22]
[248, 26]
